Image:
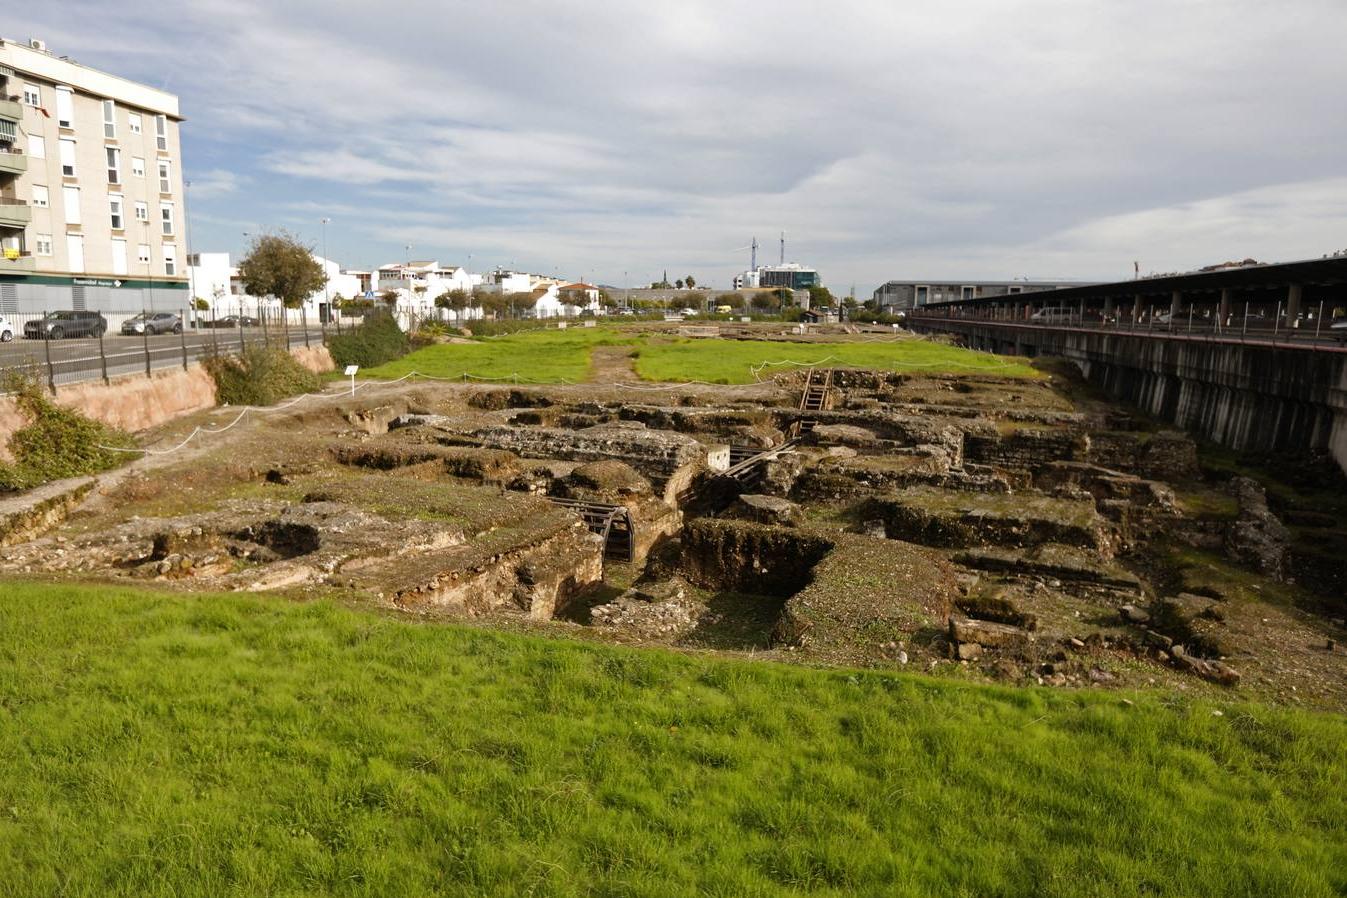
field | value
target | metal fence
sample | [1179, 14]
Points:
[57, 348]
[1245, 323]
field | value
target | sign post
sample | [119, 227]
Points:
[350, 372]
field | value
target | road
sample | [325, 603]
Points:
[76, 360]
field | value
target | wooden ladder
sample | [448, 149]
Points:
[612, 522]
[816, 398]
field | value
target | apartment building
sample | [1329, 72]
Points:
[92, 212]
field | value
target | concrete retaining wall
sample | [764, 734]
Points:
[138, 402]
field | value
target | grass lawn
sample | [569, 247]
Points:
[547, 356]
[733, 361]
[157, 745]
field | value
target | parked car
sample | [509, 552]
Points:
[6, 330]
[233, 321]
[151, 323]
[1338, 330]
[57, 325]
[1051, 316]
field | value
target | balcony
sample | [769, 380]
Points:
[13, 162]
[10, 260]
[14, 213]
[11, 110]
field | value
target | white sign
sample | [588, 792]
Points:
[351, 370]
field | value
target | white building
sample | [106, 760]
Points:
[213, 278]
[418, 284]
[92, 212]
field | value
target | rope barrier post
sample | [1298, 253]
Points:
[182, 333]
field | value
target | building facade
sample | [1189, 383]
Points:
[903, 296]
[92, 212]
[789, 275]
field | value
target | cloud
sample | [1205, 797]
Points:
[967, 138]
[214, 183]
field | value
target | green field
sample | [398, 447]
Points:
[559, 356]
[539, 356]
[734, 361]
[157, 745]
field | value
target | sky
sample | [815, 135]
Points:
[608, 141]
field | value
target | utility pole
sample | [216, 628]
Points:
[327, 300]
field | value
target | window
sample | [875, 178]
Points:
[922, 294]
[43, 247]
[142, 211]
[161, 132]
[65, 108]
[70, 198]
[37, 147]
[118, 256]
[165, 181]
[966, 292]
[109, 119]
[170, 259]
[115, 212]
[74, 247]
[67, 157]
[133, 123]
[32, 95]
[41, 197]
[137, 166]
[1014, 290]
[114, 165]
[166, 216]
[143, 254]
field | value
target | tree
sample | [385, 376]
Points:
[820, 296]
[574, 299]
[454, 300]
[690, 281]
[733, 300]
[389, 298]
[679, 283]
[279, 265]
[762, 300]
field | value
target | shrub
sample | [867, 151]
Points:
[259, 376]
[57, 442]
[487, 328]
[376, 340]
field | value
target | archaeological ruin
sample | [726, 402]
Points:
[1019, 530]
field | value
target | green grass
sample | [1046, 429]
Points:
[550, 356]
[157, 745]
[733, 361]
[555, 356]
